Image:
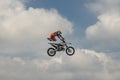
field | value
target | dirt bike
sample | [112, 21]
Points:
[63, 46]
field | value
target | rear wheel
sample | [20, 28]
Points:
[70, 51]
[51, 52]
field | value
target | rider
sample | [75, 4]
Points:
[58, 34]
[53, 35]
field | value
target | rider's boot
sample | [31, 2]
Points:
[49, 39]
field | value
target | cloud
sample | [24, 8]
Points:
[105, 32]
[79, 66]
[24, 30]
[101, 6]
[23, 56]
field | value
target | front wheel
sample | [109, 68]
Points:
[70, 51]
[51, 52]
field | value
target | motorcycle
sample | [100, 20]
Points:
[63, 46]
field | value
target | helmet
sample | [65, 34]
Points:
[59, 32]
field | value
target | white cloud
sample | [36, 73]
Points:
[108, 25]
[104, 6]
[106, 30]
[84, 65]
[25, 30]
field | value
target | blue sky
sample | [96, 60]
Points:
[73, 10]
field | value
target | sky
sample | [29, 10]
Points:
[75, 11]
[92, 26]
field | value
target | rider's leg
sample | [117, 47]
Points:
[52, 36]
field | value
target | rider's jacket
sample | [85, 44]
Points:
[53, 35]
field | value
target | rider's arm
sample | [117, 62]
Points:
[60, 37]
